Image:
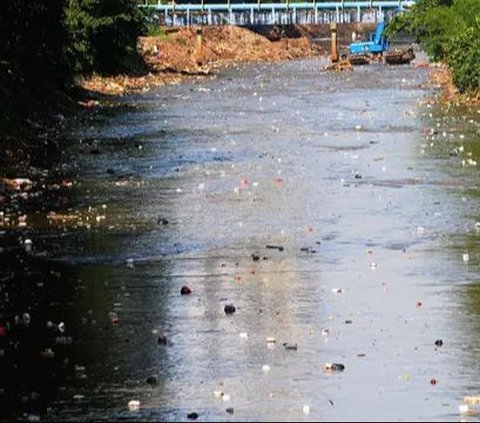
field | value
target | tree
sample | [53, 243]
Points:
[32, 55]
[104, 34]
[448, 30]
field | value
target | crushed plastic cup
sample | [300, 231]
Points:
[28, 244]
[134, 405]
[466, 257]
[266, 368]
[306, 409]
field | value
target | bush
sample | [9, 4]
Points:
[463, 59]
[448, 30]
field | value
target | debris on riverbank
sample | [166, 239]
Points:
[441, 76]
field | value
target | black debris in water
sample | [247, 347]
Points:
[185, 290]
[230, 309]
[193, 416]
[274, 247]
[337, 367]
[152, 380]
[290, 347]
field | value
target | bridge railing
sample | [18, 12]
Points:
[312, 3]
[253, 12]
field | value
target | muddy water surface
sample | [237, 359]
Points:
[373, 197]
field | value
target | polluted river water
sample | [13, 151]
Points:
[335, 212]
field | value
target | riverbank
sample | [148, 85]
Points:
[173, 56]
[441, 76]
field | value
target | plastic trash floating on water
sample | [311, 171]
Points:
[466, 257]
[333, 367]
[134, 405]
[306, 409]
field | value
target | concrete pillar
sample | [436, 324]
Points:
[199, 47]
[333, 29]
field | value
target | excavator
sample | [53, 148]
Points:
[377, 49]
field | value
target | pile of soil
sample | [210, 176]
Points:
[175, 56]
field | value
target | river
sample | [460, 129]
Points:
[370, 195]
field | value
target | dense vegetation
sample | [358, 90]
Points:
[449, 31]
[46, 44]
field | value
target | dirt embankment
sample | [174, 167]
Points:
[175, 55]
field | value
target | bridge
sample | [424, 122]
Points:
[262, 12]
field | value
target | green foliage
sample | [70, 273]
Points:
[104, 34]
[463, 59]
[45, 44]
[155, 30]
[449, 31]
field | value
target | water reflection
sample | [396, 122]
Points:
[369, 201]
